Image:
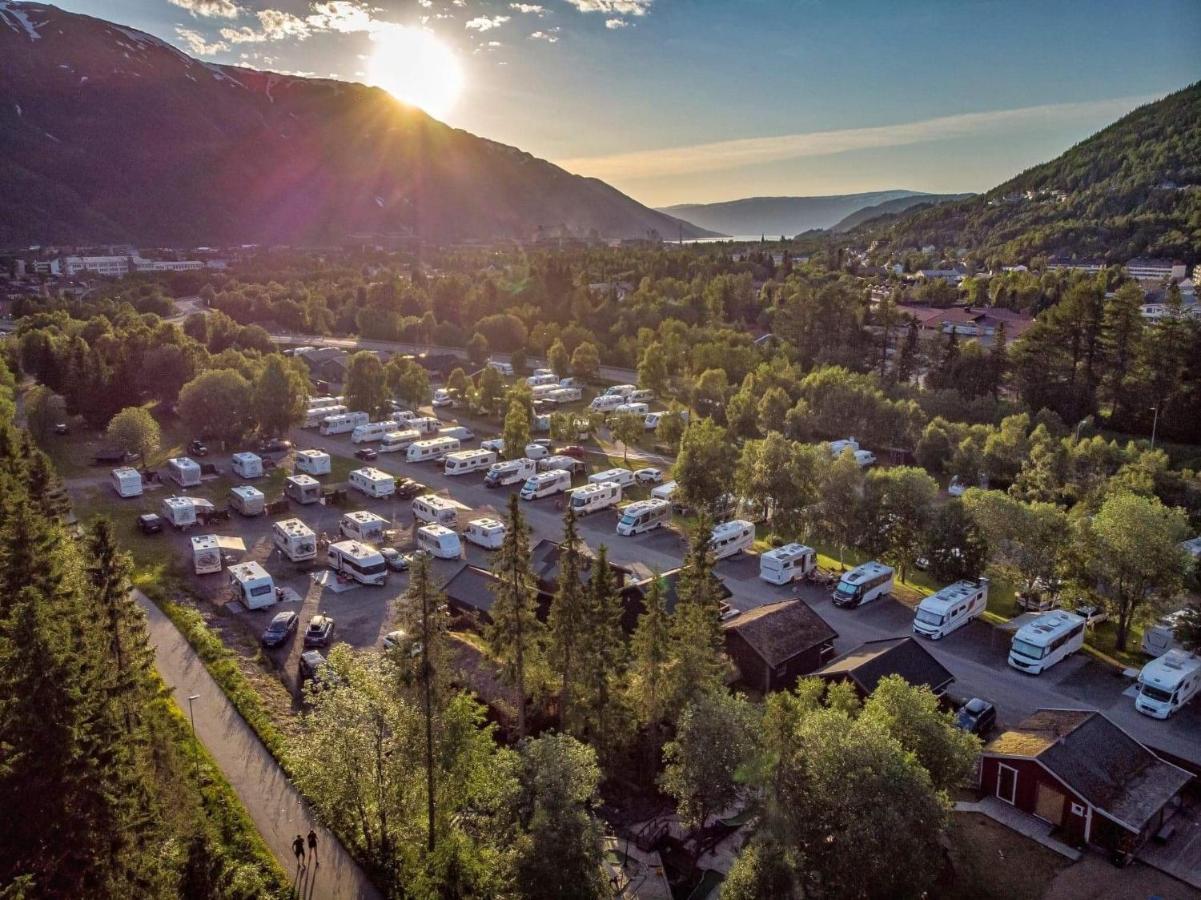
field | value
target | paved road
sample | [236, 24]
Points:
[275, 806]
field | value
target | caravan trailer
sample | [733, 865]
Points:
[542, 379]
[184, 471]
[465, 461]
[253, 585]
[510, 472]
[362, 525]
[395, 441]
[314, 417]
[127, 481]
[633, 409]
[664, 491]
[1159, 638]
[732, 537]
[486, 533]
[372, 431]
[372, 482]
[247, 500]
[566, 463]
[623, 477]
[951, 608]
[321, 402]
[503, 368]
[1042, 643]
[246, 465]
[1168, 683]
[606, 402]
[784, 565]
[358, 562]
[179, 511]
[863, 584]
[564, 395]
[593, 497]
[544, 484]
[620, 390]
[344, 423]
[425, 424]
[206, 554]
[294, 539]
[460, 433]
[644, 515]
[439, 542]
[431, 509]
[313, 462]
[302, 489]
[544, 392]
[432, 448]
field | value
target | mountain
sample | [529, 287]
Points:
[1132, 189]
[108, 134]
[774, 216]
[892, 207]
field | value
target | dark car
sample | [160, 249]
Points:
[62, 428]
[407, 488]
[196, 448]
[150, 523]
[280, 629]
[575, 451]
[275, 445]
[311, 664]
[319, 632]
[366, 453]
[977, 717]
[396, 560]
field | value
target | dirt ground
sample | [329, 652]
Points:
[1093, 878]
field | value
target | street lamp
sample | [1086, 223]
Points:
[195, 745]
[1154, 423]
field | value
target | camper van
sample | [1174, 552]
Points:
[836, 447]
[1042, 643]
[372, 482]
[432, 448]
[732, 537]
[465, 461]
[247, 501]
[344, 423]
[865, 458]
[652, 420]
[246, 465]
[1159, 638]
[179, 511]
[312, 462]
[632, 409]
[439, 542]
[642, 395]
[252, 584]
[486, 533]
[395, 441]
[664, 491]
[313, 417]
[544, 392]
[127, 481]
[544, 484]
[372, 431]
[503, 368]
[606, 402]
[358, 562]
[620, 390]
[593, 497]
[565, 395]
[403, 417]
[645, 515]
[432, 509]
[863, 584]
[536, 451]
[950, 608]
[510, 472]
[460, 433]
[294, 539]
[363, 525]
[1167, 683]
[784, 565]
[427, 425]
[206, 554]
[321, 402]
[623, 477]
[541, 379]
[184, 471]
[302, 489]
[566, 463]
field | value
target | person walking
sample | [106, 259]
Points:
[313, 845]
[298, 849]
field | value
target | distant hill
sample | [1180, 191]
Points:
[775, 216]
[891, 207]
[109, 134]
[1132, 189]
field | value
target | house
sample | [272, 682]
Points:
[470, 593]
[868, 663]
[1078, 265]
[951, 276]
[776, 644]
[634, 596]
[1157, 269]
[326, 364]
[981, 322]
[1083, 774]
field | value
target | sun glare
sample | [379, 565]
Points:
[415, 67]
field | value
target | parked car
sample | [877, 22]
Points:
[400, 638]
[649, 475]
[150, 523]
[366, 453]
[407, 488]
[62, 428]
[311, 664]
[977, 717]
[275, 445]
[396, 560]
[196, 448]
[319, 632]
[280, 629]
[1094, 614]
[956, 487]
[442, 397]
[575, 451]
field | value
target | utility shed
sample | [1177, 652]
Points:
[776, 644]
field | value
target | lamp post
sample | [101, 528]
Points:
[1154, 423]
[195, 746]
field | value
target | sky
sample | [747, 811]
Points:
[693, 101]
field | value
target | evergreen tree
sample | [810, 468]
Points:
[603, 656]
[566, 619]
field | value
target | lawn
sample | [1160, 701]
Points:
[988, 861]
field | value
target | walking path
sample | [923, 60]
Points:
[1015, 819]
[275, 806]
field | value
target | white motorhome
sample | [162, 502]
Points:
[372, 431]
[321, 402]
[632, 409]
[486, 533]
[372, 482]
[1168, 683]
[127, 481]
[313, 462]
[460, 433]
[836, 447]
[425, 424]
[566, 463]
[439, 542]
[503, 368]
[344, 423]
[431, 448]
[544, 484]
[565, 395]
[732, 537]
[294, 539]
[510, 472]
[606, 402]
[179, 511]
[1043, 642]
[184, 471]
[252, 584]
[434, 510]
[542, 370]
[314, 417]
[786, 564]
[664, 491]
[403, 417]
[594, 497]
[247, 500]
[358, 562]
[623, 477]
[395, 441]
[1159, 638]
[863, 584]
[246, 465]
[465, 461]
[544, 391]
[206, 554]
[536, 451]
[620, 390]
[363, 525]
[865, 458]
[642, 395]
[541, 379]
[950, 608]
[652, 420]
[302, 489]
[644, 515]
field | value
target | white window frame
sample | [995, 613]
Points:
[1012, 799]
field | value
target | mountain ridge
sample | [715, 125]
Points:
[892, 207]
[787, 215]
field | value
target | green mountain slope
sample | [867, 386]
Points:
[890, 207]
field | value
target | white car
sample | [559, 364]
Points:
[497, 444]
[956, 487]
[649, 476]
[443, 398]
[1093, 614]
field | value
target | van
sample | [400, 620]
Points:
[247, 500]
[127, 481]
[372, 482]
[395, 441]
[246, 465]
[372, 431]
[732, 537]
[623, 477]
[294, 539]
[302, 489]
[458, 432]
[1168, 683]
[863, 584]
[465, 461]
[206, 554]
[632, 409]
[620, 390]
[513, 471]
[950, 608]
[184, 471]
[784, 565]
[434, 510]
[486, 533]
[642, 516]
[363, 525]
[594, 497]
[315, 416]
[544, 484]
[1042, 643]
[358, 562]
[312, 462]
[1159, 638]
[252, 585]
[439, 542]
[431, 448]
[503, 368]
[606, 402]
[344, 423]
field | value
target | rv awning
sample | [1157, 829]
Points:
[231, 543]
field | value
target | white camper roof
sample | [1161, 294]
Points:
[730, 529]
[641, 506]
[491, 526]
[1169, 670]
[940, 602]
[468, 455]
[246, 572]
[294, 528]
[127, 473]
[313, 454]
[787, 552]
[608, 475]
[1048, 626]
[364, 517]
[303, 480]
[596, 487]
[246, 457]
[179, 502]
[434, 501]
[183, 463]
[435, 531]
[372, 474]
[360, 553]
[664, 491]
[246, 492]
[203, 542]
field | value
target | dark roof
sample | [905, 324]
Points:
[671, 588]
[544, 563]
[322, 355]
[780, 631]
[872, 661]
[471, 586]
[1097, 760]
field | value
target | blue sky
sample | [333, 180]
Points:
[701, 100]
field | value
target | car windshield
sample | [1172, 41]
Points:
[929, 618]
[1156, 693]
[628, 519]
[1028, 650]
[845, 591]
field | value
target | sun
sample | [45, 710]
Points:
[415, 67]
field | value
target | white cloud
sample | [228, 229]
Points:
[528, 8]
[243, 35]
[613, 7]
[197, 45]
[345, 16]
[551, 36]
[483, 23]
[215, 9]
[725, 155]
[613, 24]
[278, 25]
[425, 4]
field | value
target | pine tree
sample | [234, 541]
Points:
[998, 361]
[696, 639]
[907, 358]
[603, 655]
[566, 618]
